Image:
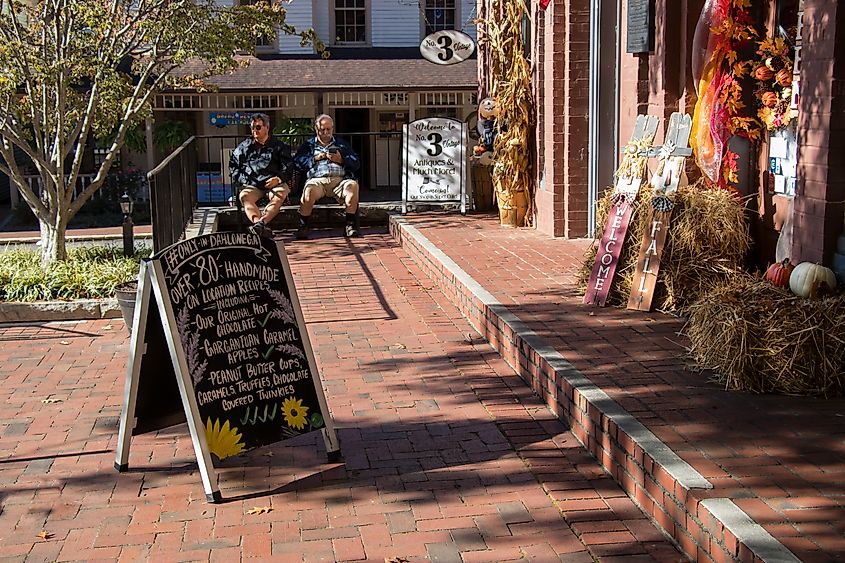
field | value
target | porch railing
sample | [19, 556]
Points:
[197, 174]
[173, 194]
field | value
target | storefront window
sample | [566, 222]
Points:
[783, 141]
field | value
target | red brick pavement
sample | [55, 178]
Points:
[448, 455]
[780, 459]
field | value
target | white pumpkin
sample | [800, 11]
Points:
[812, 280]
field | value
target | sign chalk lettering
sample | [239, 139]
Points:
[239, 353]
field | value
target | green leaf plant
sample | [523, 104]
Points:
[72, 71]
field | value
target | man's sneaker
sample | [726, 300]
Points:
[301, 233]
[352, 231]
[259, 228]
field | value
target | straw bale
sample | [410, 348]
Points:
[763, 339]
[706, 246]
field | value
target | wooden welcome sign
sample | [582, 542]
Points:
[629, 178]
[664, 183]
[223, 347]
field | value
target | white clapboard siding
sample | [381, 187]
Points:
[398, 23]
[321, 19]
[299, 15]
[394, 24]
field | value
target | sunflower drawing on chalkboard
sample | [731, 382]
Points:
[294, 412]
[223, 441]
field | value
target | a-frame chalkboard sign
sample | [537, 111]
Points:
[219, 341]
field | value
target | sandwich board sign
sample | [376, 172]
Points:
[219, 341]
[434, 162]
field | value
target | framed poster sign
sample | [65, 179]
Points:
[434, 162]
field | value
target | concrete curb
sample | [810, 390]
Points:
[83, 309]
[652, 475]
[76, 238]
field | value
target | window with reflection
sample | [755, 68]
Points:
[350, 21]
[439, 15]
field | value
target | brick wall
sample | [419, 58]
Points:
[561, 54]
[820, 192]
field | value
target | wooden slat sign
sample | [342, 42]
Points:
[629, 178]
[240, 364]
[645, 279]
[609, 250]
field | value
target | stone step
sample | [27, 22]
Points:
[326, 215]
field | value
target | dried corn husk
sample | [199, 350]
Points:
[763, 339]
[511, 75]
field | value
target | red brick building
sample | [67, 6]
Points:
[589, 87]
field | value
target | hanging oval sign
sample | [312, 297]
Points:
[447, 47]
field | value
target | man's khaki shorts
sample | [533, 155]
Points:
[324, 187]
[282, 190]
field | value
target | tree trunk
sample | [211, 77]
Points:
[53, 247]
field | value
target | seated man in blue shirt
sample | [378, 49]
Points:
[259, 166]
[330, 165]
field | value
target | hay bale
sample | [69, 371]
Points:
[763, 339]
[707, 244]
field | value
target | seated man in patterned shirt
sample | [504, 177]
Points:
[330, 165]
[261, 166]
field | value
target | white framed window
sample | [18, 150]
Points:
[267, 43]
[350, 22]
[440, 15]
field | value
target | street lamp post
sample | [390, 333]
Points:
[126, 204]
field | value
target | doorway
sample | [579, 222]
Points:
[353, 125]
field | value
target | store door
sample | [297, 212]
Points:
[388, 148]
[353, 124]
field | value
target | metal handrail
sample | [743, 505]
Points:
[170, 157]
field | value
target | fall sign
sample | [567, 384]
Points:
[651, 251]
[238, 346]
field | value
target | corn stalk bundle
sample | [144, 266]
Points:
[707, 244]
[763, 339]
[512, 171]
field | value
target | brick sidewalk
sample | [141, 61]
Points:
[778, 460]
[448, 455]
[107, 233]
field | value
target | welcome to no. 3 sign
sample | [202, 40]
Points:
[238, 347]
[434, 162]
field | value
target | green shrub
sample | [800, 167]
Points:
[89, 273]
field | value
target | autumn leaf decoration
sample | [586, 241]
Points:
[259, 510]
[739, 28]
[773, 72]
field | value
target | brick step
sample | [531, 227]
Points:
[665, 487]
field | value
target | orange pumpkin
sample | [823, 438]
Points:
[769, 99]
[779, 272]
[763, 73]
[784, 77]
